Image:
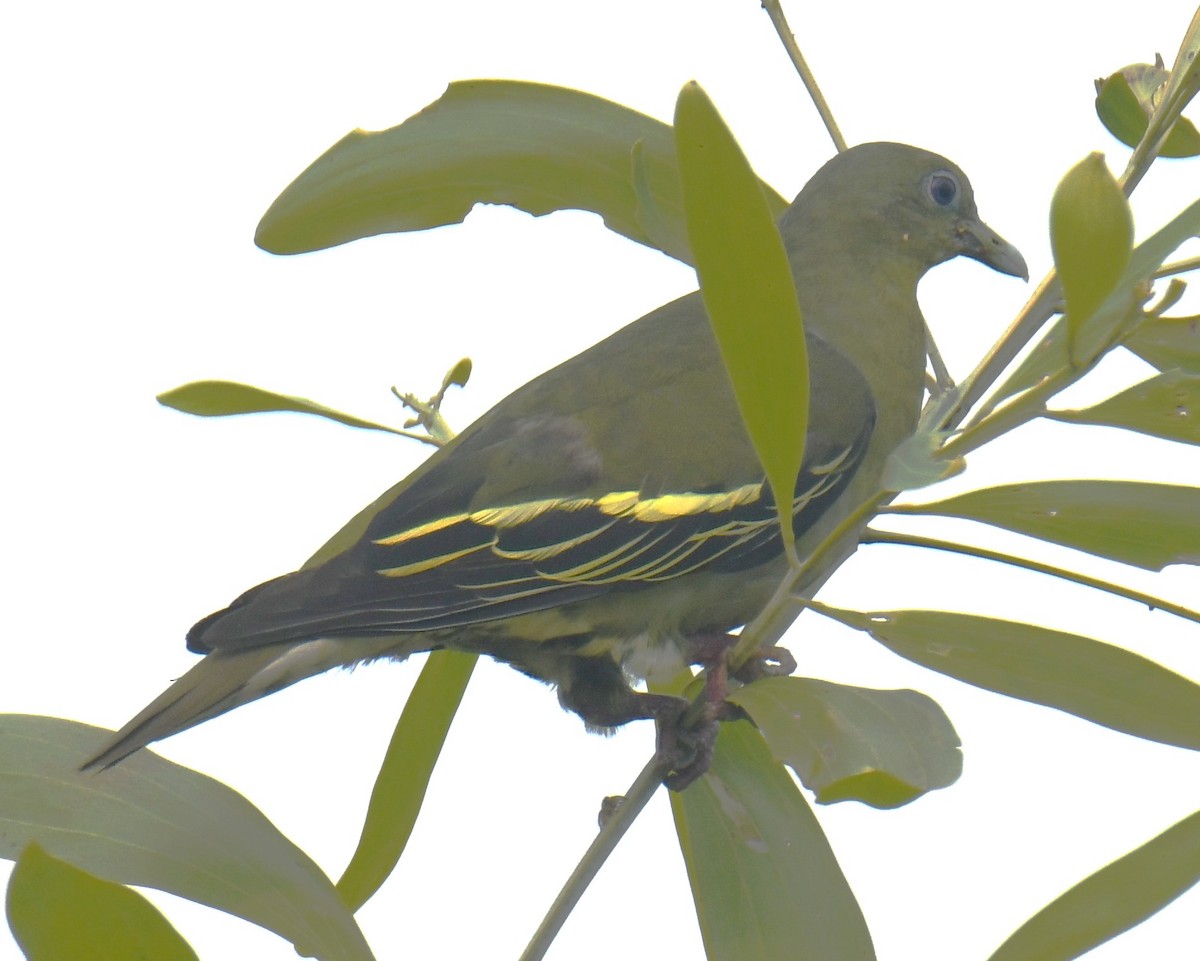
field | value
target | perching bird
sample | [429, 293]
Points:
[609, 519]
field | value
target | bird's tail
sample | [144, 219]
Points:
[225, 680]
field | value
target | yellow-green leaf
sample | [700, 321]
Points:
[1091, 233]
[1092, 680]
[1112, 900]
[537, 147]
[404, 775]
[1150, 525]
[748, 290]
[1050, 354]
[766, 883]
[884, 748]
[1166, 406]
[1168, 342]
[458, 375]
[224, 398]
[58, 912]
[1155, 249]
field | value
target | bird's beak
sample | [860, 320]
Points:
[978, 241]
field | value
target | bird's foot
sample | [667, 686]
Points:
[687, 733]
[686, 742]
[596, 689]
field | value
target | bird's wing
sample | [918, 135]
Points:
[437, 558]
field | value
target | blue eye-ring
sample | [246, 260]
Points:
[942, 188]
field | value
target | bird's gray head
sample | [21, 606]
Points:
[889, 199]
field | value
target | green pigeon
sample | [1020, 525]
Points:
[609, 520]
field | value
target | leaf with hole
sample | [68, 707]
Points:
[1126, 99]
[1166, 406]
[1168, 342]
[536, 147]
[884, 748]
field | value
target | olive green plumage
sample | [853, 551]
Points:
[609, 518]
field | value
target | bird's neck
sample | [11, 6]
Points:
[872, 317]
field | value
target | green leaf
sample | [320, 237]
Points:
[1168, 342]
[1048, 357]
[458, 375]
[400, 786]
[665, 228]
[1098, 682]
[1091, 233]
[748, 291]
[152, 823]
[539, 148]
[1125, 100]
[1184, 84]
[765, 881]
[224, 398]
[1149, 525]
[1149, 255]
[1166, 406]
[58, 911]
[1112, 900]
[884, 748]
[1050, 354]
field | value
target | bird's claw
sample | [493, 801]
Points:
[685, 745]
[687, 733]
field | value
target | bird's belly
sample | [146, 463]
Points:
[647, 632]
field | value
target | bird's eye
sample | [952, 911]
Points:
[942, 188]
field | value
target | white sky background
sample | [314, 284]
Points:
[142, 142]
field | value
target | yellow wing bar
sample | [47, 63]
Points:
[618, 537]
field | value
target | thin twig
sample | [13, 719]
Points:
[1030, 406]
[640, 792]
[1041, 305]
[874, 536]
[941, 373]
[1178, 267]
[801, 581]
[1038, 309]
[775, 12]
[429, 416]
[762, 632]
[787, 602]
[651, 777]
